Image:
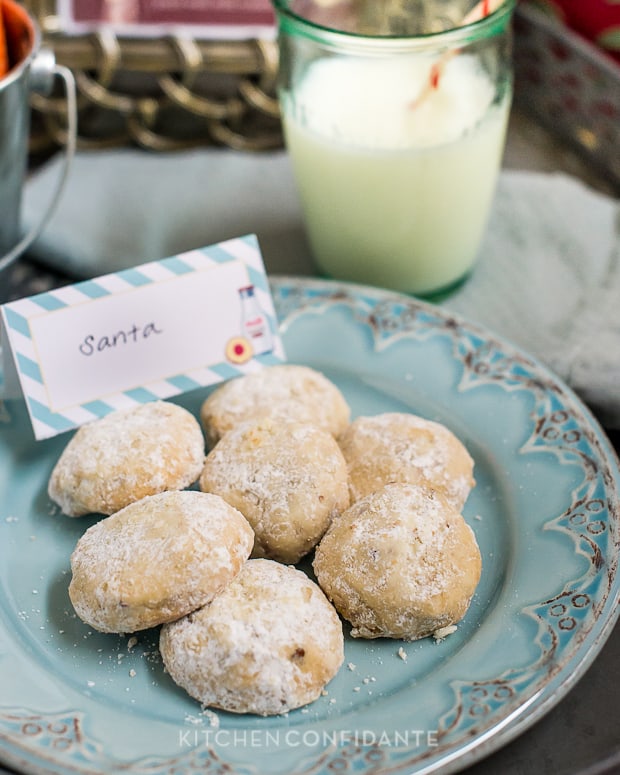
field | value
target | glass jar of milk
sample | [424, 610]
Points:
[394, 114]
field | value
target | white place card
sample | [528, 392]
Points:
[142, 334]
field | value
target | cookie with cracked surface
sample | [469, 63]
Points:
[286, 391]
[399, 563]
[125, 456]
[269, 643]
[157, 560]
[289, 480]
[402, 447]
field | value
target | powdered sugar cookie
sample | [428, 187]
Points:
[401, 447]
[126, 456]
[156, 560]
[399, 563]
[269, 643]
[286, 391]
[289, 481]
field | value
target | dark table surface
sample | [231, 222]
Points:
[580, 735]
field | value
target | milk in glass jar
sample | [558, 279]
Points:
[395, 117]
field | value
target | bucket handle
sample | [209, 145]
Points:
[44, 68]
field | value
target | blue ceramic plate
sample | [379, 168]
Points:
[545, 511]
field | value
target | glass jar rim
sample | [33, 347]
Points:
[488, 26]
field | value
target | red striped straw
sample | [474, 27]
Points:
[479, 11]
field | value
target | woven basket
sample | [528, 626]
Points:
[160, 93]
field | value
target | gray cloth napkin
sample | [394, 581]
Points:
[548, 276]
[124, 207]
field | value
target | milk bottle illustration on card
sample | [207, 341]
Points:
[254, 324]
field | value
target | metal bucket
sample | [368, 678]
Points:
[31, 69]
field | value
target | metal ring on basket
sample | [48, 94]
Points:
[108, 59]
[259, 95]
[179, 91]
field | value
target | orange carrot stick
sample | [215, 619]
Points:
[4, 52]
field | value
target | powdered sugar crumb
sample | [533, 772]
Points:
[212, 718]
[443, 632]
